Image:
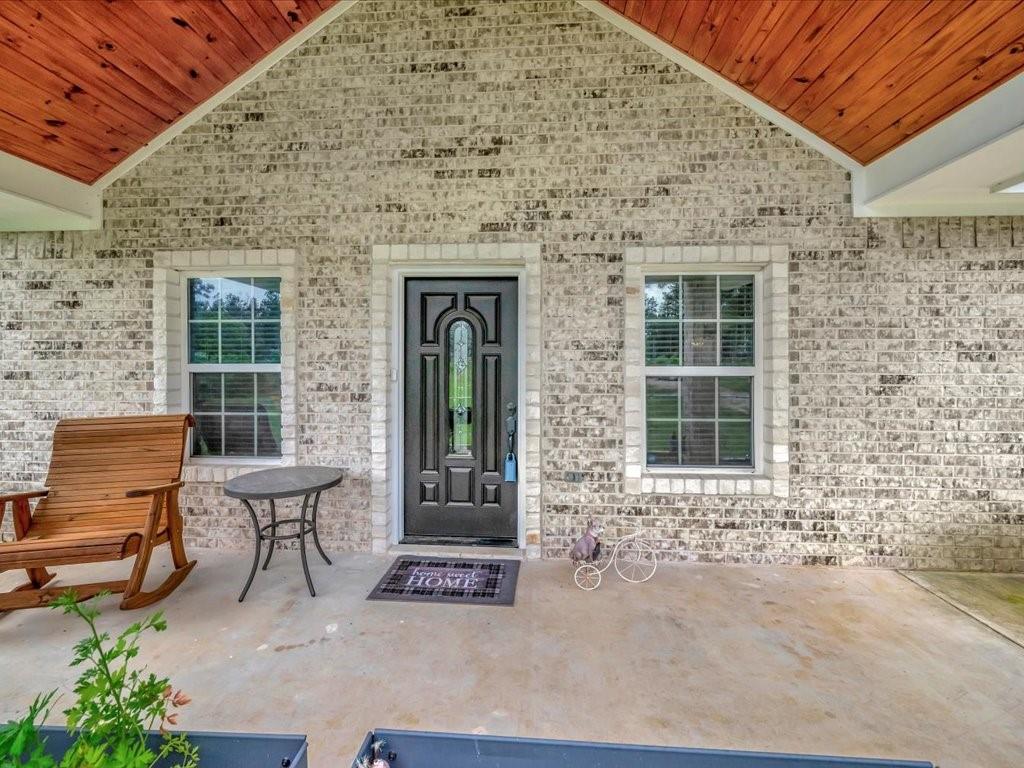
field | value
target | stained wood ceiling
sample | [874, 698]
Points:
[865, 75]
[85, 83]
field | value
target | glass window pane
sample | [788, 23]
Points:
[236, 342]
[267, 298]
[268, 342]
[697, 442]
[662, 343]
[735, 444]
[461, 352]
[734, 397]
[663, 442]
[268, 434]
[268, 392]
[203, 298]
[699, 297]
[697, 397]
[239, 435]
[737, 298]
[661, 298]
[236, 298]
[203, 342]
[700, 344]
[240, 392]
[737, 343]
[206, 393]
[206, 436]
[662, 398]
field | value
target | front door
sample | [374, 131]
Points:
[461, 347]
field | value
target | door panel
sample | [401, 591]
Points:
[461, 347]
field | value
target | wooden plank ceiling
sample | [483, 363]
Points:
[865, 75]
[85, 83]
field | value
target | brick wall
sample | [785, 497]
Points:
[482, 122]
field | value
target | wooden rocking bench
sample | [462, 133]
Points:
[112, 492]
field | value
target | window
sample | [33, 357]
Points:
[233, 365]
[701, 371]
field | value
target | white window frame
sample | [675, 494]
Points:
[709, 371]
[187, 368]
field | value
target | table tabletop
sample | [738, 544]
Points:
[282, 482]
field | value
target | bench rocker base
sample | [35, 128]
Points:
[81, 520]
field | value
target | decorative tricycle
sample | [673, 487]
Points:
[634, 560]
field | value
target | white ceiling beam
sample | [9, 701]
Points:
[33, 198]
[951, 168]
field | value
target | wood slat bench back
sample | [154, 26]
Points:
[96, 461]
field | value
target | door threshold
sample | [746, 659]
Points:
[458, 551]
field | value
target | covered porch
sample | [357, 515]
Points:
[835, 661]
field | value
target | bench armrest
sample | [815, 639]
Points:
[22, 513]
[20, 495]
[154, 490]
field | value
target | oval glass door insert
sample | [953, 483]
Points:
[460, 388]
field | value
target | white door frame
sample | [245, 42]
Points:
[463, 271]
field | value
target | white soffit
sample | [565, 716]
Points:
[948, 170]
[33, 198]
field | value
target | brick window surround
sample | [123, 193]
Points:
[170, 271]
[772, 262]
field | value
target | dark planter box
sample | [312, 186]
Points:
[216, 750]
[413, 749]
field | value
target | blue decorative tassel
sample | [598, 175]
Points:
[511, 471]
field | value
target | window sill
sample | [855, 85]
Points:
[220, 470]
[669, 482]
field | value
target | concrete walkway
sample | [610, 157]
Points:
[799, 660]
[994, 599]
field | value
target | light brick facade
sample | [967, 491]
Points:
[478, 123]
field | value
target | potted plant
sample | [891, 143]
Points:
[121, 715]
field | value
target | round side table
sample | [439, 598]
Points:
[283, 483]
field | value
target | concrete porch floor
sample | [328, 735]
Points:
[830, 661]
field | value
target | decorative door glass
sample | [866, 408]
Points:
[460, 388]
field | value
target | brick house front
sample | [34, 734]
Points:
[710, 345]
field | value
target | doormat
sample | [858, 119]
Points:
[433, 580]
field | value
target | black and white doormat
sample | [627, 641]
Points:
[435, 580]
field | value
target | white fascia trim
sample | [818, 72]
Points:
[259, 69]
[61, 202]
[723, 84]
[995, 115]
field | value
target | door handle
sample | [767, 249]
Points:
[510, 425]
[511, 473]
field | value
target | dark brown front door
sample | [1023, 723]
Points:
[461, 344]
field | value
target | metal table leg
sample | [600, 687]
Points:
[273, 523]
[316, 537]
[302, 545]
[256, 555]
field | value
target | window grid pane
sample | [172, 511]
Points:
[699, 320]
[710, 424]
[243, 417]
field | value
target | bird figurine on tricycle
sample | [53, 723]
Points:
[634, 559]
